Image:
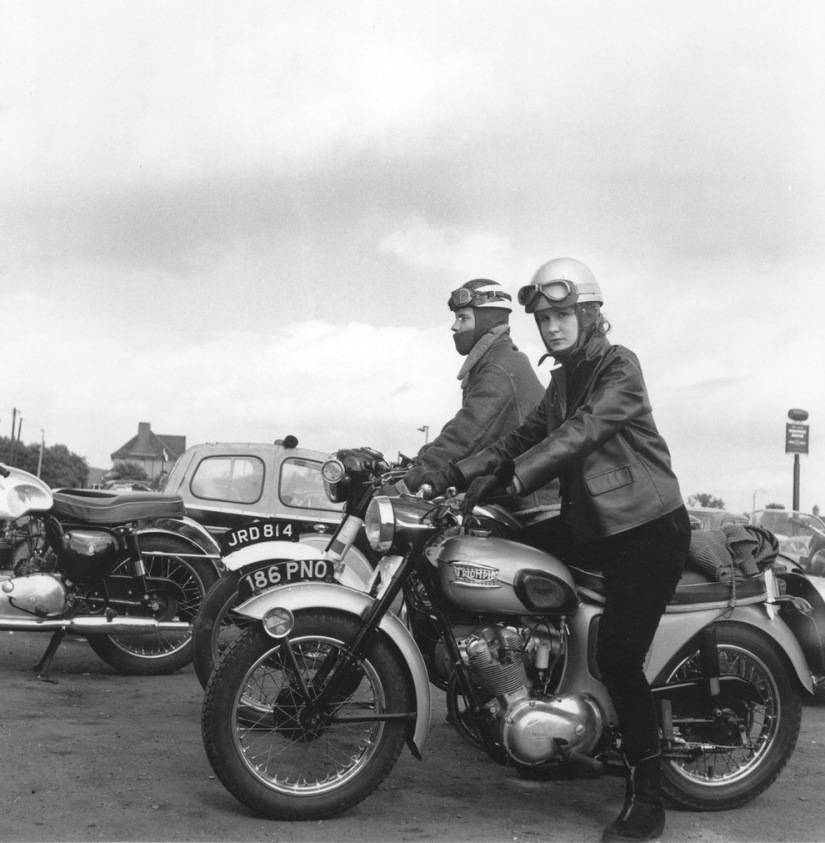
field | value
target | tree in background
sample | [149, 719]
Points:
[127, 471]
[60, 469]
[706, 500]
[774, 506]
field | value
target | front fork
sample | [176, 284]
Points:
[339, 666]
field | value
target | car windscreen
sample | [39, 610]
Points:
[302, 486]
[231, 479]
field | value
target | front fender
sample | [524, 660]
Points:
[353, 602]
[675, 630]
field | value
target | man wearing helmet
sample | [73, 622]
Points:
[621, 503]
[499, 389]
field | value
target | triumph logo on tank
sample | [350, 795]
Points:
[476, 576]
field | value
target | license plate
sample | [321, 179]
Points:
[271, 574]
[256, 532]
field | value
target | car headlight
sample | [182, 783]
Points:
[379, 524]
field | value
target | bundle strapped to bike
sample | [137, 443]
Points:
[733, 554]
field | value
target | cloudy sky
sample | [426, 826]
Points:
[241, 220]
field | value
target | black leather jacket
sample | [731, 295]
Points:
[594, 431]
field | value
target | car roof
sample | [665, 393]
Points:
[259, 448]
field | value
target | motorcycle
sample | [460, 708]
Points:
[266, 554]
[127, 570]
[308, 711]
[800, 570]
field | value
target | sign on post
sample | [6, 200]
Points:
[796, 438]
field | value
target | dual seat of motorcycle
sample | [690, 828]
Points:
[694, 591]
[98, 506]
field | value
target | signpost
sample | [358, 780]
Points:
[796, 443]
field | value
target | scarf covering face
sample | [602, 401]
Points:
[478, 351]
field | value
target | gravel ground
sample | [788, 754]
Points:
[101, 756]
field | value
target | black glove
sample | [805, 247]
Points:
[441, 479]
[483, 487]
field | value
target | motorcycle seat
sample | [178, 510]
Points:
[694, 588]
[98, 506]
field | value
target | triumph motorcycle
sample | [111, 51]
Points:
[266, 554]
[127, 570]
[308, 711]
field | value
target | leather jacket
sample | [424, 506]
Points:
[498, 392]
[595, 432]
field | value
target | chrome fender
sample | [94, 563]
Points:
[202, 542]
[679, 627]
[279, 551]
[342, 599]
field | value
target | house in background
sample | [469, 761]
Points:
[156, 453]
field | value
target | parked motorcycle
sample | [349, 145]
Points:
[267, 554]
[127, 570]
[307, 712]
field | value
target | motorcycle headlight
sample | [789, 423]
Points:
[379, 524]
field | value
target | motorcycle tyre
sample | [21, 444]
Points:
[694, 796]
[218, 726]
[211, 617]
[134, 664]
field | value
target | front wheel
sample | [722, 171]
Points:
[281, 759]
[179, 583]
[736, 747]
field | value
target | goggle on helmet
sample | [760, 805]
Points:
[562, 282]
[480, 294]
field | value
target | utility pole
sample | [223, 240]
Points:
[426, 431]
[42, 446]
[11, 447]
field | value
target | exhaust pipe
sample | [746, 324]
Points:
[93, 625]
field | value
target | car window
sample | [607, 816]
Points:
[302, 486]
[229, 479]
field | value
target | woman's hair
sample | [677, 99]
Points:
[590, 313]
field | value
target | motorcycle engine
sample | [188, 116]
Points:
[43, 595]
[534, 728]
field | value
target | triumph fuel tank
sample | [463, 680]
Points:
[495, 575]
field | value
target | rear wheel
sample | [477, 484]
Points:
[216, 626]
[742, 742]
[179, 583]
[265, 748]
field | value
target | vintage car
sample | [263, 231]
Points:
[225, 485]
[710, 518]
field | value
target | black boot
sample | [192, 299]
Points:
[643, 814]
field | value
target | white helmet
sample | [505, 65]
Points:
[561, 282]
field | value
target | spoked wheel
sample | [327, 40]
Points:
[272, 751]
[178, 584]
[741, 742]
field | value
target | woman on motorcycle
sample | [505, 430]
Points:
[620, 500]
